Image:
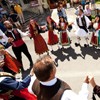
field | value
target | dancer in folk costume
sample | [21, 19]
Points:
[51, 25]
[95, 40]
[10, 64]
[83, 23]
[62, 27]
[39, 43]
[18, 45]
[12, 89]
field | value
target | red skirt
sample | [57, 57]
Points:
[52, 38]
[40, 44]
[64, 38]
[12, 63]
[4, 97]
[23, 93]
[94, 40]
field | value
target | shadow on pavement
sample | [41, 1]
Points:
[26, 72]
[92, 51]
[65, 53]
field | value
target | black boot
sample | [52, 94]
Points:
[86, 45]
[77, 44]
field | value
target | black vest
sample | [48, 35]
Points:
[53, 92]
[84, 25]
[16, 34]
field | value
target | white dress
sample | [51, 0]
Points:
[79, 31]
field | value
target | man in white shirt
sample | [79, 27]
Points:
[18, 44]
[47, 87]
[82, 23]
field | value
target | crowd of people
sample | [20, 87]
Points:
[41, 83]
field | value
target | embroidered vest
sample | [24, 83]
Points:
[84, 25]
[16, 36]
[50, 92]
[83, 21]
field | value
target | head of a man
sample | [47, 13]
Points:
[44, 69]
[8, 24]
[80, 12]
[87, 7]
[61, 5]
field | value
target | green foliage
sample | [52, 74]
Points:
[68, 1]
[97, 1]
[93, 16]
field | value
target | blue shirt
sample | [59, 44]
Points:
[9, 83]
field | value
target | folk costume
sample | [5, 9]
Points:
[51, 25]
[10, 65]
[96, 91]
[83, 23]
[10, 87]
[55, 89]
[64, 38]
[95, 39]
[18, 45]
[39, 43]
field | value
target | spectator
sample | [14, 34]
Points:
[47, 87]
[45, 5]
[12, 8]
[14, 18]
[93, 6]
[83, 3]
[71, 3]
[63, 11]
[19, 11]
[3, 11]
[87, 12]
[2, 27]
[87, 2]
[59, 12]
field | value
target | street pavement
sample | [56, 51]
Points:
[73, 63]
